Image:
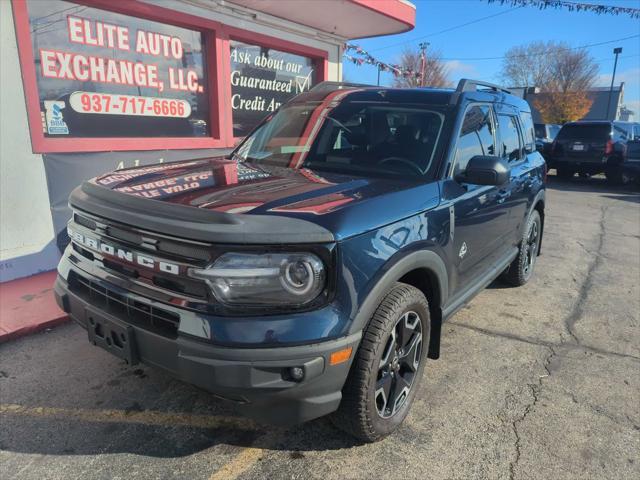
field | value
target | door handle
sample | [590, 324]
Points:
[503, 195]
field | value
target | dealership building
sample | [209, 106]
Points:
[89, 86]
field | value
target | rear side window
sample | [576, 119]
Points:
[585, 132]
[476, 137]
[527, 131]
[510, 141]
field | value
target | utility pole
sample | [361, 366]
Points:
[617, 51]
[423, 61]
[378, 75]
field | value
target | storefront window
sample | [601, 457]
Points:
[262, 79]
[105, 74]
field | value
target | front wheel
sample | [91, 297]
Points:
[386, 372]
[521, 269]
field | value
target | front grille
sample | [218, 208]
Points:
[185, 252]
[187, 249]
[85, 222]
[140, 314]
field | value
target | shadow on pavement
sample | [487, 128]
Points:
[596, 184]
[136, 410]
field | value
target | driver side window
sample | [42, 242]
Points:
[476, 137]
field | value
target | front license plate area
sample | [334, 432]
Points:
[115, 337]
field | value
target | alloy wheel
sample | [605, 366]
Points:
[531, 246]
[399, 364]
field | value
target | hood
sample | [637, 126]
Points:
[342, 203]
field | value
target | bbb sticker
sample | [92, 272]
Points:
[54, 118]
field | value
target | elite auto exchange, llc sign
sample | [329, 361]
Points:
[262, 79]
[102, 73]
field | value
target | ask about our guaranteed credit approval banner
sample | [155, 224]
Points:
[105, 74]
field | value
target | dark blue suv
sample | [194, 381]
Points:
[309, 272]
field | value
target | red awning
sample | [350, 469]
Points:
[346, 18]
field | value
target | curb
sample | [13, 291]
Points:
[31, 329]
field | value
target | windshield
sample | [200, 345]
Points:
[541, 131]
[353, 137]
[553, 131]
[545, 131]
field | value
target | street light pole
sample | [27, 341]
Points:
[617, 51]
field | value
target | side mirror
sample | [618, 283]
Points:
[485, 170]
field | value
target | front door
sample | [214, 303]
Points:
[479, 215]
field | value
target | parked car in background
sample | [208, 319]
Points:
[592, 147]
[309, 272]
[631, 164]
[545, 135]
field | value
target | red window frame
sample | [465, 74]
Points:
[216, 38]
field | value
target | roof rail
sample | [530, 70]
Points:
[468, 85]
[337, 85]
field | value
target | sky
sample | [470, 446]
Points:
[510, 26]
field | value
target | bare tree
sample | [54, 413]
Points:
[436, 74]
[528, 65]
[552, 66]
[563, 74]
[573, 71]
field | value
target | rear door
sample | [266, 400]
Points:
[515, 145]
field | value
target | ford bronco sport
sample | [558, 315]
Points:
[309, 272]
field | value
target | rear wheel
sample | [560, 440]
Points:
[564, 173]
[386, 372]
[521, 269]
[614, 175]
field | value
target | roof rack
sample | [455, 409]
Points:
[468, 85]
[337, 85]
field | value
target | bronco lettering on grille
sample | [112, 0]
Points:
[123, 254]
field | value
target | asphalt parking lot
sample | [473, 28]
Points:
[540, 382]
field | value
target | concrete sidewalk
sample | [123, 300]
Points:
[27, 306]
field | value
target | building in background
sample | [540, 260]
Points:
[89, 86]
[598, 95]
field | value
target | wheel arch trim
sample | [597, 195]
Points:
[423, 259]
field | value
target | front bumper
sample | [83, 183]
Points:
[253, 378]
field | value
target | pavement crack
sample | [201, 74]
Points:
[535, 394]
[577, 310]
[543, 343]
[601, 411]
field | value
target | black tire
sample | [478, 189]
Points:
[565, 173]
[521, 269]
[614, 176]
[364, 395]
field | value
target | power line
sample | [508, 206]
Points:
[543, 53]
[455, 27]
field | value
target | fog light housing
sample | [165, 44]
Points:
[295, 374]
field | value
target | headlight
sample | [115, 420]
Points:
[264, 279]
